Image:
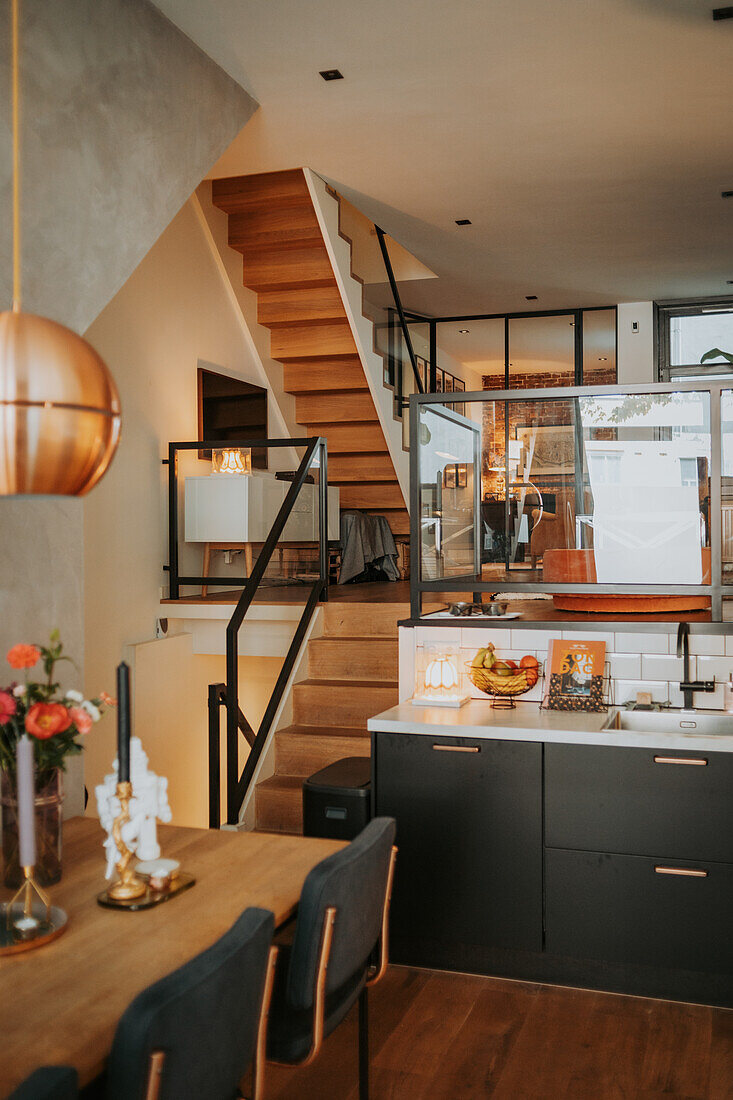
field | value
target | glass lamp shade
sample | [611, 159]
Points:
[231, 460]
[438, 679]
[59, 409]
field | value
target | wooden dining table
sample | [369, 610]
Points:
[60, 1004]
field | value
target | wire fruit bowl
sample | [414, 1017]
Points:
[503, 689]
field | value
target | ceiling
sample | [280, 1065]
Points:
[588, 143]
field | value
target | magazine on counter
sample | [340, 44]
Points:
[574, 678]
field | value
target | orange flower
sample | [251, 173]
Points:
[81, 719]
[23, 656]
[44, 720]
[107, 699]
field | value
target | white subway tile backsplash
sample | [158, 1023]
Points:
[664, 667]
[626, 690]
[711, 645]
[477, 637]
[533, 640]
[581, 635]
[700, 699]
[438, 635]
[625, 666]
[714, 668]
[642, 643]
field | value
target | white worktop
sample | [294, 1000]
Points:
[526, 722]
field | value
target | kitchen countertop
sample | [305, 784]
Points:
[526, 722]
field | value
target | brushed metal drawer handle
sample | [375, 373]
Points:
[700, 761]
[688, 872]
[457, 748]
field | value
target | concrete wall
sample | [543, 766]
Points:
[122, 116]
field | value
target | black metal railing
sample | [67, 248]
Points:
[226, 695]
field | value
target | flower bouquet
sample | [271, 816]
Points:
[55, 722]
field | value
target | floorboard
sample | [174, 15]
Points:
[438, 1036]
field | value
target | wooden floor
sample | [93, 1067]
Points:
[458, 1037]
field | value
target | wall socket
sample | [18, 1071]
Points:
[634, 326]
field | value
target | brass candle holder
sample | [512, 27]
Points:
[129, 885]
[30, 919]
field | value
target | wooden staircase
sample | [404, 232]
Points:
[352, 675]
[273, 223]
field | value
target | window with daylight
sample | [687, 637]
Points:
[695, 340]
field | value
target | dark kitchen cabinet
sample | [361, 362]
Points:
[639, 910]
[647, 802]
[469, 834]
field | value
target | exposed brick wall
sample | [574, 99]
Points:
[544, 414]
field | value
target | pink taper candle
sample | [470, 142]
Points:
[26, 802]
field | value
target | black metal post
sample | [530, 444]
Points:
[433, 369]
[173, 589]
[323, 516]
[415, 520]
[216, 692]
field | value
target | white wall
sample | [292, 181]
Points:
[635, 349]
[173, 311]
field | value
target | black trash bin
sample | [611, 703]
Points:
[336, 800]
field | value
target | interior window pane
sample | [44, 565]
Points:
[449, 446]
[599, 347]
[541, 351]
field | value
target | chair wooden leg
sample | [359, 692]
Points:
[364, 1044]
[206, 566]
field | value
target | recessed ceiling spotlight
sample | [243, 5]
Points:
[331, 74]
[722, 13]
[602, 358]
[729, 282]
[463, 221]
[572, 324]
[463, 331]
[530, 297]
[726, 194]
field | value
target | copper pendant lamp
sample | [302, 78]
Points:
[59, 407]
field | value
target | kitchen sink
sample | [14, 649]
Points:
[671, 721]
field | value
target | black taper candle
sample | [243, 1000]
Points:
[123, 722]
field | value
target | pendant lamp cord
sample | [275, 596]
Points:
[16, 160]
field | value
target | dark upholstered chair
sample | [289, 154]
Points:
[195, 1032]
[342, 915]
[49, 1083]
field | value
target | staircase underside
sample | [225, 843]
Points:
[273, 223]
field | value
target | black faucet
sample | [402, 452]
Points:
[687, 686]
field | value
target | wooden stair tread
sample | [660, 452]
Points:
[324, 376]
[282, 783]
[236, 193]
[352, 684]
[321, 731]
[310, 304]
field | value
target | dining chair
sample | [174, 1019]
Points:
[49, 1083]
[196, 1031]
[342, 918]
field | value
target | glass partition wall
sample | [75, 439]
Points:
[577, 503]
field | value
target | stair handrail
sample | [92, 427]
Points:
[398, 305]
[237, 786]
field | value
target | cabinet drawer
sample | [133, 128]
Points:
[639, 801]
[640, 911]
[469, 833]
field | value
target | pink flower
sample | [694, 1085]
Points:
[8, 707]
[81, 719]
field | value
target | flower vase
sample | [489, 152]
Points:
[48, 803]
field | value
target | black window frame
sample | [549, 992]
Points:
[685, 307]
